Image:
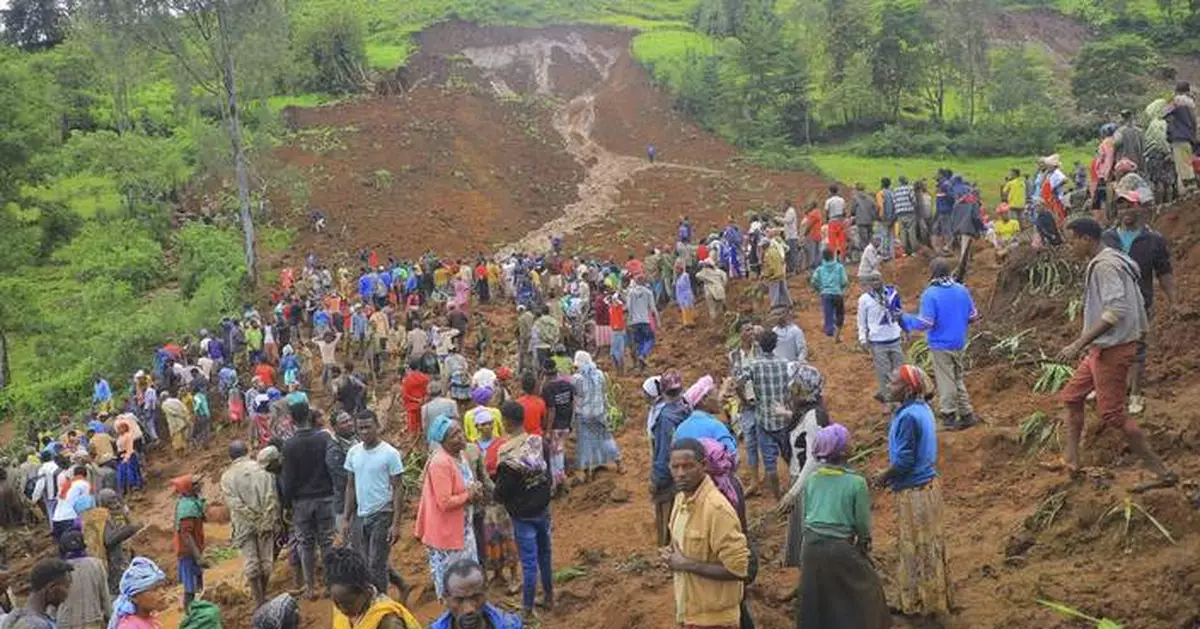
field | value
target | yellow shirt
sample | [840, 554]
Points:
[380, 608]
[471, 428]
[1007, 230]
[705, 528]
[1014, 193]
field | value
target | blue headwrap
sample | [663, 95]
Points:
[142, 575]
[439, 428]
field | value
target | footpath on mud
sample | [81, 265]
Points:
[513, 135]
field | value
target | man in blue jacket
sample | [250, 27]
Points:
[946, 313]
[466, 601]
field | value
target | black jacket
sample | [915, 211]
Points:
[524, 494]
[305, 474]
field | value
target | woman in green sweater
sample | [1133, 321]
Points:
[838, 585]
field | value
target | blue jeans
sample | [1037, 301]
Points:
[833, 310]
[643, 339]
[750, 432]
[533, 546]
[768, 446]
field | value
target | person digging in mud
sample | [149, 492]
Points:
[946, 313]
[1149, 249]
[1114, 323]
[708, 554]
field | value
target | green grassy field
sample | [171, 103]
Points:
[989, 172]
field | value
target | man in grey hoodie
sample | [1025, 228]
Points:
[1114, 320]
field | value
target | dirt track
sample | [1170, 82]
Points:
[473, 171]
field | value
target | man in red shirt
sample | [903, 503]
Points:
[616, 321]
[634, 267]
[265, 372]
[811, 226]
[414, 387]
[534, 405]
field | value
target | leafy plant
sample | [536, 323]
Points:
[918, 354]
[1039, 431]
[1053, 377]
[616, 416]
[1100, 623]
[382, 179]
[568, 574]
[1049, 275]
[1127, 509]
[1010, 346]
[1074, 307]
[1047, 512]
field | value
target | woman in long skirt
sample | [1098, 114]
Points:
[923, 580]
[838, 585]
[596, 446]
[808, 411]
[129, 471]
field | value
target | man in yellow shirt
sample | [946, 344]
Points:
[1013, 192]
[709, 556]
[1005, 230]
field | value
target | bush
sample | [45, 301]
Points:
[897, 141]
[209, 253]
[334, 44]
[120, 251]
[1026, 131]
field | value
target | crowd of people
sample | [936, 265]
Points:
[308, 387]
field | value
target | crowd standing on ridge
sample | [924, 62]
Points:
[309, 387]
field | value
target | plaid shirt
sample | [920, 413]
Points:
[769, 375]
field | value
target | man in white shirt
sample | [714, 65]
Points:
[791, 235]
[65, 511]
[869, 264]
[45, 490]
[879, 330]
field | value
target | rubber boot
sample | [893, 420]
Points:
[773, 485]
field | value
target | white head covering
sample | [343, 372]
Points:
[652, 387]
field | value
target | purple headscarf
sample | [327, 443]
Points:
[830, 442]
[481, 395]
[720, 465]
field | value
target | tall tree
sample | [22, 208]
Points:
[719, 18]
[968, 46]
[845, 37]
[1019, 78]
[32, 24]
[1110, 74]
[208, 39]
[896, 55]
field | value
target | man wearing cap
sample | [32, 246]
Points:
[1149, 250]
[879, 332]
[49, 583]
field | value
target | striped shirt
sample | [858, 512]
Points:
[905, 200]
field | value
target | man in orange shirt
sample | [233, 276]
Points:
[811, 227]
[534, 405]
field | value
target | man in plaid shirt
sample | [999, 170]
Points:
[768, 375]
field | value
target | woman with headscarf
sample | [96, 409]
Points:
[142, 595]
[493, 528]
[838, 585]
[443, 521]
[596, 446]
[809, 416]
[260, 421]
[482, 413]
[923, 581]
[129, 471]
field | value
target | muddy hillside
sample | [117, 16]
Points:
[508, 135]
